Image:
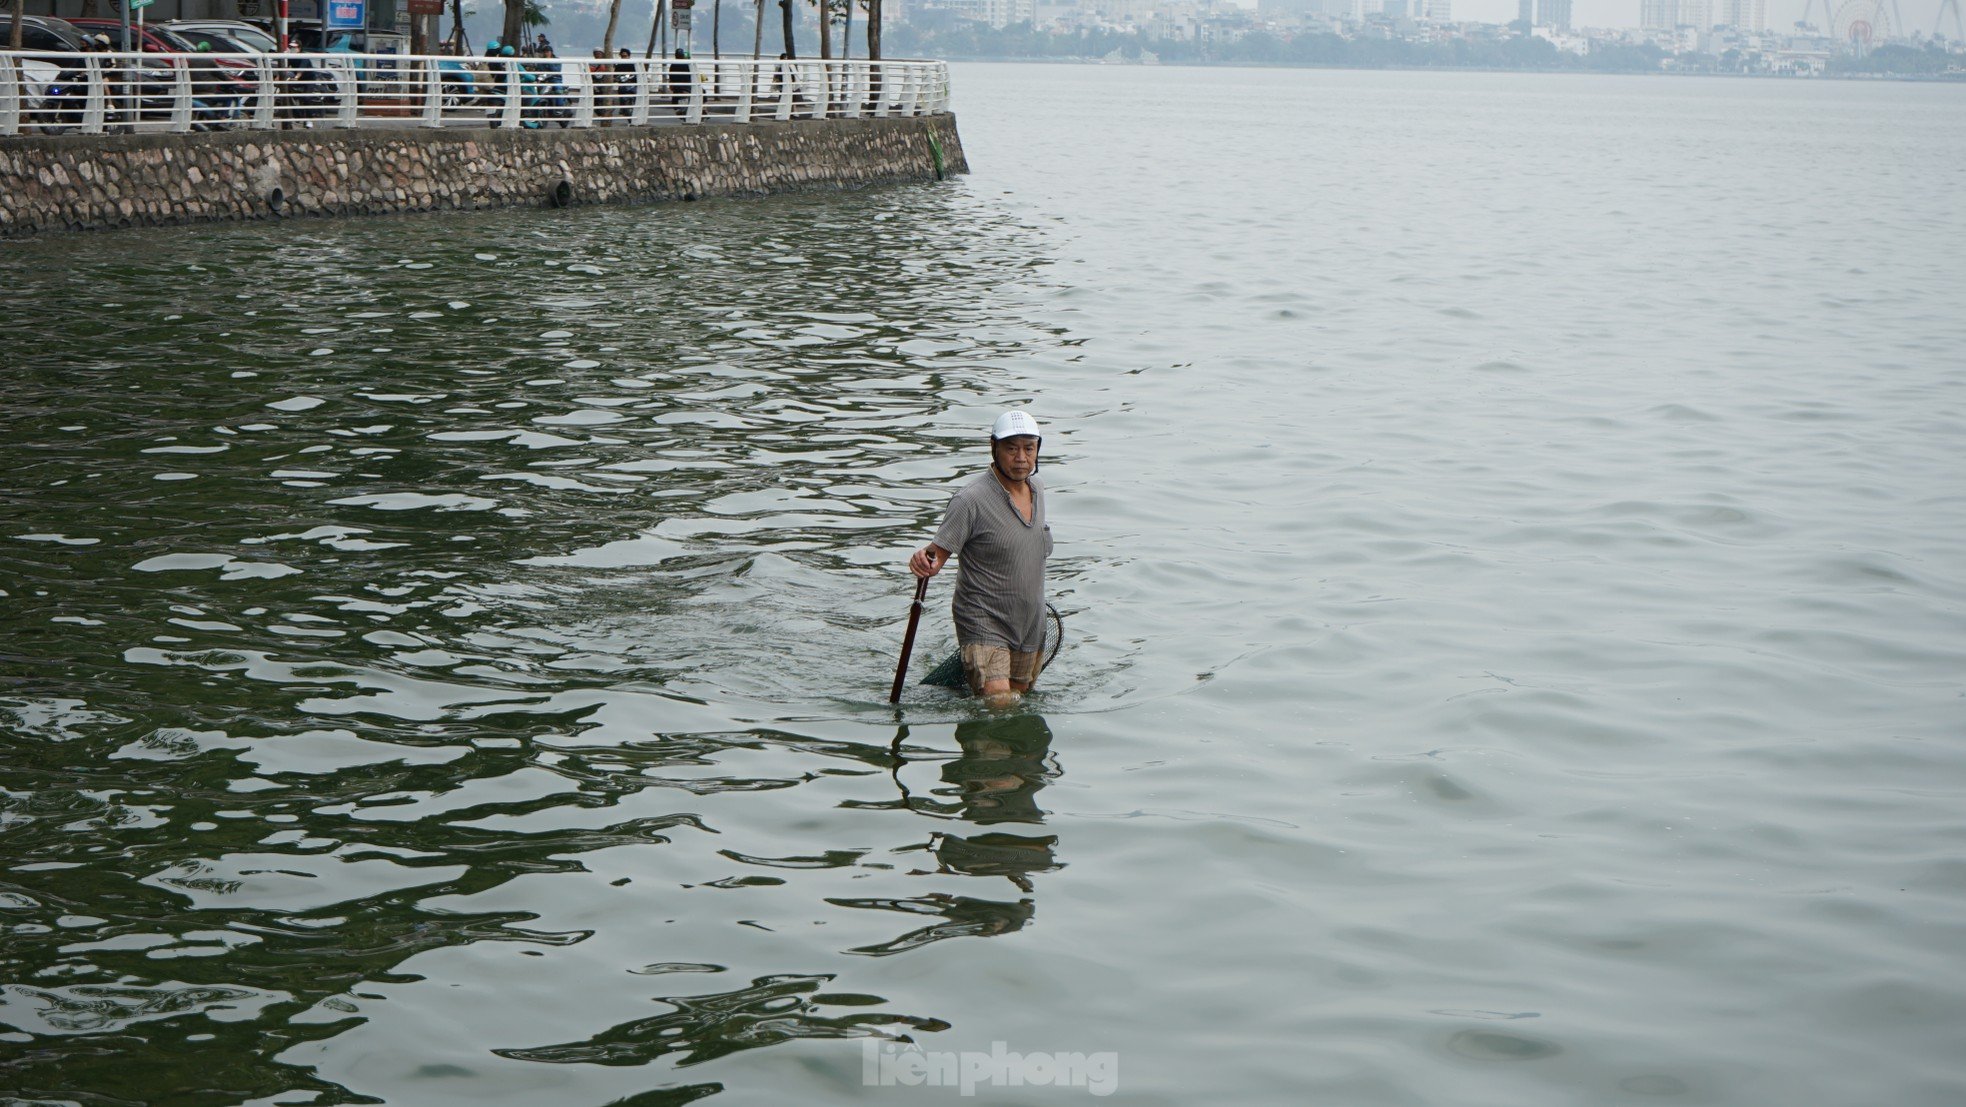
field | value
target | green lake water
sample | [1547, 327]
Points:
[1508, 534]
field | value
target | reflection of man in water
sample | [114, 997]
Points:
[1005, 762]
[996, 530]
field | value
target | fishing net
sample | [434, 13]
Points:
[948, 673]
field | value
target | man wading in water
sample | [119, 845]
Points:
[996, 530]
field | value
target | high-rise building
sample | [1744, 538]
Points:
[1546, 13]
[1440, 11]
[1743, 15]
[997, 13]
[1664, 15]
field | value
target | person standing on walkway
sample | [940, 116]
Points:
[997, 531]
[679, 81]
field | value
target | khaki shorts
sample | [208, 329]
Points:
[982, 664]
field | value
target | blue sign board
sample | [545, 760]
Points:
[345, 15]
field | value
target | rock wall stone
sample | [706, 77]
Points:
[98, 182]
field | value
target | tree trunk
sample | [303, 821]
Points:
[88, 9]
[757, 33]
[515, 24]
[846, 34]
[785, 15]
[826, 30]
[874, 80]
[20, 16]
[716, 30]
[655, 28]
[607, 39]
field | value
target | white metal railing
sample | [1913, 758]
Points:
[46, 93]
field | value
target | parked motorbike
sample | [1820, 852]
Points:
[543, 99]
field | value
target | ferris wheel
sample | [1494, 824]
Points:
[1958, 24]
[1863, 22]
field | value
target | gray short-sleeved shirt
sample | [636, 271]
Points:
[999, 565]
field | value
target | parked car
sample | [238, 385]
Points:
[220, 86]
[52, 88]
[307, 88]
[226, 36]
[44, 33]
[162, 38]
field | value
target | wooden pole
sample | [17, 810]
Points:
[661, 9]
[908, 641]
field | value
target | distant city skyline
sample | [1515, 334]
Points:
[1920, 15]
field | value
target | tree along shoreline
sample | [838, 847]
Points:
[934, 34]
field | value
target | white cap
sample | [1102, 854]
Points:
[1013, 423]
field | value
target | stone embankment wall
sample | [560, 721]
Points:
[75, 182]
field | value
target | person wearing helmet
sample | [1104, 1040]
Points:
[997, 532]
